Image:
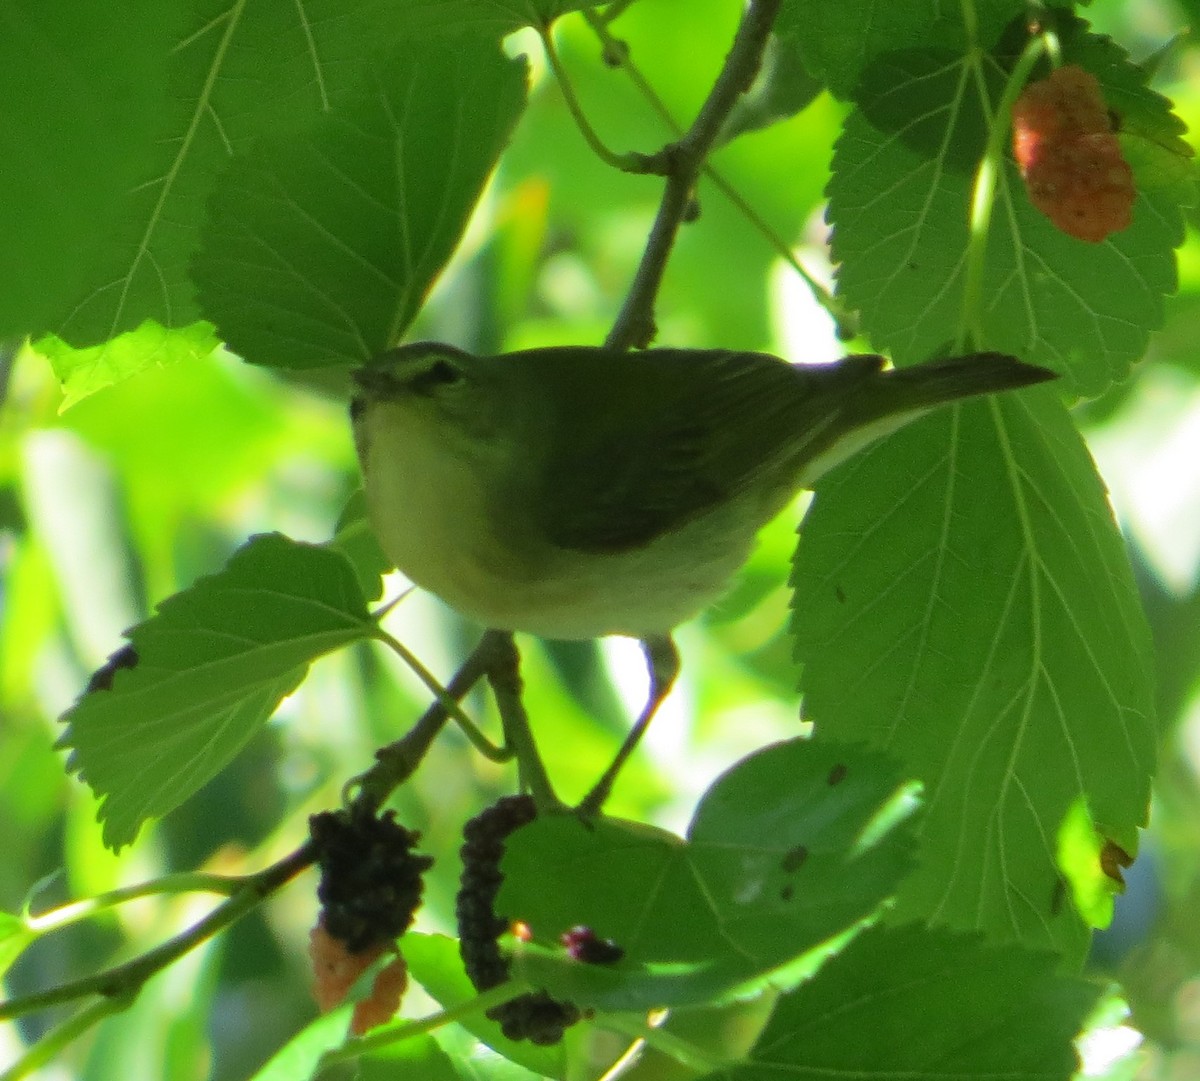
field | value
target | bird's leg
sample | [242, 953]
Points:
[504, 675]
[662, 659]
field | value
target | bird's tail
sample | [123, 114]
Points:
[926, 386]
[884, 401]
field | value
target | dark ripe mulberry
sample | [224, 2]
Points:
[534, 1016]
[370, 877]
[478, 924]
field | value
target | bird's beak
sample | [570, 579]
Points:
[374, 384]
[376, 381]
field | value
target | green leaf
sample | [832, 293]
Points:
[82, 90]
[434, 962]
[783, 88]
[758, 883]
[198, 678]
[914, 1002]
[963, 600]
[322, 245]
[1151, 134]
[900, 199]
[355, 539]
[416, 1058]
[301, 1056]
[15, 936]
[85, 371]
[234, 73]
[1091, 864]
[842, 39]
[499, 17]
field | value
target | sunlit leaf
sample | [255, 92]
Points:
[964, 601]
[200, 676]
[900, 205]
[1092, 864]
[420, 1058]
[234, 72]
[927, 1004]
[434, 962]
[300, 1057]
[757, 883]
[87, 370]
[14, 937]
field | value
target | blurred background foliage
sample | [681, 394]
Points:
[128, 496]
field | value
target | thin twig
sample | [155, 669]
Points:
[184, 882]
[398, 761]
[628, 162]
[447, 701]
[970, 324]
[53, 1042]
[505, 680]
[684, 160]
[125, 981]
[843, 317]
[406, 1029]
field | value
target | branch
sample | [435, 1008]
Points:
[505, 679]
[184, 882]
[44, 1052]
[683, 162]
[613, 47]
[445, 699]
[398, 761]
[123, 982]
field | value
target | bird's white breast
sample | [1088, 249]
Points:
[431, 510]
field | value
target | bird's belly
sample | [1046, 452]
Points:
[570, 594]
[434, 523]
[574, 596]
[559, 593]
[635, 593]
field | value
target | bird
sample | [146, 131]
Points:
[575, 492]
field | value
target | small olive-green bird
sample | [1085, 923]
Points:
[576, 492]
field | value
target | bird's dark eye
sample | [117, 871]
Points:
[441, 373]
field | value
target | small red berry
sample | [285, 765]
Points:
[336, 968]
[1069, 155]
[583, 944]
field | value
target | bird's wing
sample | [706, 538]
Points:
[683, 433]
